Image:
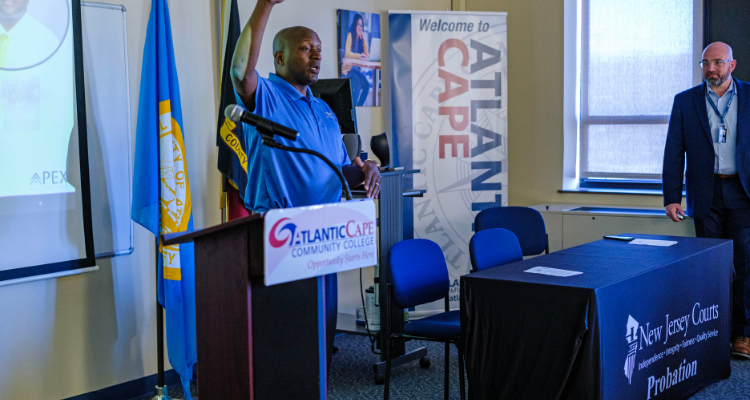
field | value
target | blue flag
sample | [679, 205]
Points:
[161, 192]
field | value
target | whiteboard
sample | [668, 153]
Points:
[105, 61]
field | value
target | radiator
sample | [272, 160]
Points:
[570, 225]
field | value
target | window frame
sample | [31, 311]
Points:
[577, 121]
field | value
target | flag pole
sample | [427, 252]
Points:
[160, 390]
[223, 200]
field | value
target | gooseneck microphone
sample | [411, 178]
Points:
[265, 126]
[268, 129]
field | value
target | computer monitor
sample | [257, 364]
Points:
[375, 49]
[337, 93]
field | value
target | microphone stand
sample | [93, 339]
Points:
[267, 129]
[268, 141]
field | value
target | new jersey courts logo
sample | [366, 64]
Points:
[631, 335]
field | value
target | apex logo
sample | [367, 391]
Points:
[631, 335]
[49, 178]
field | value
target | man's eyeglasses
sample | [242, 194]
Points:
[716, 63]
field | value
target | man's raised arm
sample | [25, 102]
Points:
[246, 54]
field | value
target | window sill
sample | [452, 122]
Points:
[619, 191]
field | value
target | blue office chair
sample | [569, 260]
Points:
[526, 223]
[418, 275]
[493, 247]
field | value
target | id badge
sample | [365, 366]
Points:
[722, 135]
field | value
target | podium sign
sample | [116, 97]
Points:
[305, 242]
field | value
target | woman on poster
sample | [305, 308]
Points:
[356, 48]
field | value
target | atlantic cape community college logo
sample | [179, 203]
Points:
[349, 235]
[274, 240]
[303, 242]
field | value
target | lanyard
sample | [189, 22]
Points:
[716, 110]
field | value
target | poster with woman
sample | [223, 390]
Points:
[359, 55]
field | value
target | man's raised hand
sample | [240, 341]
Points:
[247, 51]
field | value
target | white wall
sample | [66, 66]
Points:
[68, 336]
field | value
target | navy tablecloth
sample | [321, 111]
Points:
[641, 322]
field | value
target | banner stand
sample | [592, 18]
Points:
[450, 121]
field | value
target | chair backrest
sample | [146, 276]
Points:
[526, 223]
[494, 247]
[417, 272]
[379, 147]
[353, 144]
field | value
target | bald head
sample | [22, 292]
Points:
[297, 56]
[721, 49]
[718, 64]
[289, 37]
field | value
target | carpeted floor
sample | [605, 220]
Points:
[352, 376]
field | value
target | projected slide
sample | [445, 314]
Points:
[42, 210]
[37, 97]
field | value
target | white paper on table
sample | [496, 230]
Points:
[653, 242]
[552, 271]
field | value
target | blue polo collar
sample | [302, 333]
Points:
[288, 89]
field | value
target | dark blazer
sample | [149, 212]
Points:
[689, 133]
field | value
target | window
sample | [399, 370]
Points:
[633, 57]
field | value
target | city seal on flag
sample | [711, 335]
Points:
[175, 191]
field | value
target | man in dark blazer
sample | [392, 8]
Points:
[711, 124]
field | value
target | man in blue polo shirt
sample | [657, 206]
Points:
[281, 179]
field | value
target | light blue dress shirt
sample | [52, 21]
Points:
[725, 152]
[281, 179]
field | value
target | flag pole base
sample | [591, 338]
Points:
[161, 393]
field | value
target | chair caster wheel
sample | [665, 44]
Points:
[379, 379]
[424, 362]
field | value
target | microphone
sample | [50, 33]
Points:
[268, 129]
[265, 127]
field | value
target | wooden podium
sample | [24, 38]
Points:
[254, 341]
[260, 297]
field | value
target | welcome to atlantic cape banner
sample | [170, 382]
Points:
[450, 121]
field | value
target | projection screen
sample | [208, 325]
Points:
[45, 211]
